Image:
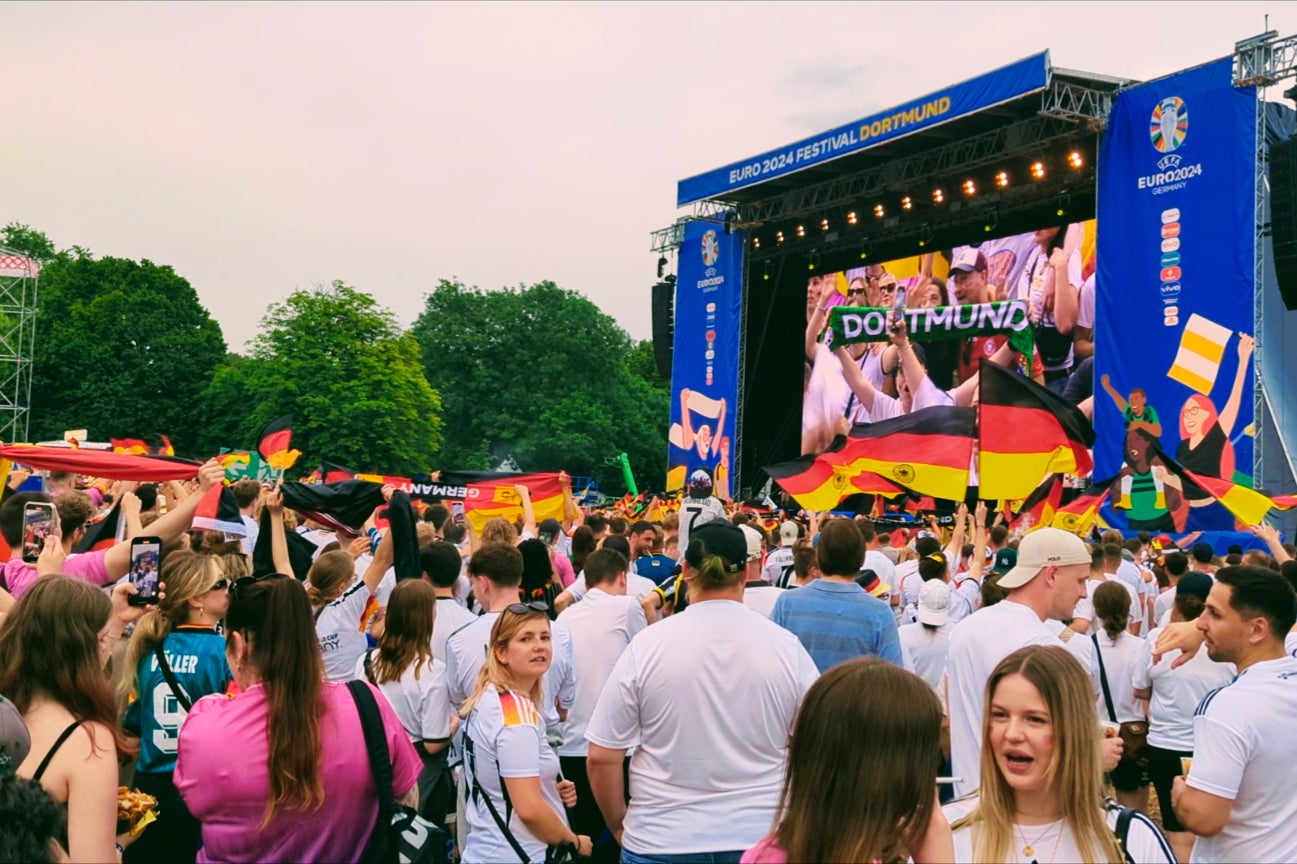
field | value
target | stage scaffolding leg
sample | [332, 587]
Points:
[18, 284]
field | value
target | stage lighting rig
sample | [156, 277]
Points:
[1076, 159]
[779, 237]
[824, 225]
[879, 211]
[756, 242]
[970, 187]
[852, 218]
[907, 203]
[1037, 170]
[1001, 179]
[938, 196]
[801, 230]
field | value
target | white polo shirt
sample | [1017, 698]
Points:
[601, 626]
[637, 586]
[977, 645]
[1176, 692]
[1120, 660]
[422, 703]
[760, 597]
[451, 615]
[708, 699]
[1244, 750]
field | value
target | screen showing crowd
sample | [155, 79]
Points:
[1051, 270]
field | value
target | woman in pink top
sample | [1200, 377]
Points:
[280, 772]
[861, 782]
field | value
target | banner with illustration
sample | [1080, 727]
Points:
[705, 360]
[1174, 298]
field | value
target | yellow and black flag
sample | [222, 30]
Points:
[1025, 432]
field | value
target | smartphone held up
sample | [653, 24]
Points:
[146, 563]
[39, 521]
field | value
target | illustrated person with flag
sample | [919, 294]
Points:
[1152, 495]
[1205, 447]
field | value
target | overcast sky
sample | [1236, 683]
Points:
[259, 148]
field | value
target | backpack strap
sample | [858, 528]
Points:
[176, 690]
[380, 759]
[1122, 830]
[470, 757]
[1103, 679]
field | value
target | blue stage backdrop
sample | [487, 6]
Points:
[1174, 294]
[705, 364]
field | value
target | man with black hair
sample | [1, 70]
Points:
[1174, 565]
[1204, 558]
[1238, 795]
[598, 525]
[441, 565]
[437, 516]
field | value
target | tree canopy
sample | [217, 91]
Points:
[541, 375]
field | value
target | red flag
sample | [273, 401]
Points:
[101, 463]
[487, 499]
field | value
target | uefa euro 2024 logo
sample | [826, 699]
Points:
[1169, 124]
[711, 249]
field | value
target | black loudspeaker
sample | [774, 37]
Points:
[1283, 217]
[664, 324]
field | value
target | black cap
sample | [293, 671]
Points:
[549, 529]
[1194, 584]
[718, 537]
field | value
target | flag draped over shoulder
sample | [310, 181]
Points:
[486, 499]
[1025, 432]
[101, 463]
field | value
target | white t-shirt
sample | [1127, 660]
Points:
[882, 565]
[508, 740]
[926, 650]
[466, 654]
[1080, 647]
[708, 698]
[251, 531]
[825, 401]
[760, 597]
[977, 645]
[910, 583]
[1176, 693]
[1243, 750]
[779, 560]
[1162, 605]
[1120, 660]
[601, 627]
[339, 629]
[422, 703]
[636, 586]
[1144, 842]
[451, 615]
[695, 511]
[1085, 307]
[1085, 607]
[929, 395]
[1290, 643]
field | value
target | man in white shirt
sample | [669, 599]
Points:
[779, 563]
[1238, 797]
[707, 697]
[602, 625]
[441, 564]
[878, 562]
[1046, 583]
[1103, 568]
[758, 594]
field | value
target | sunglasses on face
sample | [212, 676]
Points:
[220, 584]
[528, 608]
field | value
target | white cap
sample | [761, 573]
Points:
[934, 602]
[788, 532]
[754, 541]
[1045, 547]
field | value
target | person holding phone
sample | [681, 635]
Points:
[177, 657]
[53, 648]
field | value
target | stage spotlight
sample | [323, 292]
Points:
[970, 188]
[1001, 179]
[1037, 170]
[992, 219]
[852, 218]
[907, 203]
[938, 196]
[801, 230]
[824, 224]
[865, 249]
[879, 211]
[756, 242]
[779, 237]
[925, 234]
[1064, 202]
[1076, 159]
[662, 263]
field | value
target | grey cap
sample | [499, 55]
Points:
[15, 743]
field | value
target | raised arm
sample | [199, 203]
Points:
[176, 521]
[856, 379]
[528, 513]
[1229, 415]
[1117, 398]
[1066, 295]
[278, 539]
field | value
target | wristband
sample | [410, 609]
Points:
[375, 537]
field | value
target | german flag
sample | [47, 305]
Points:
[1039, 508]
[1077, 516]
[823, 481]
[101, 463]
[1248, 505]
[102, 534]
[496, 497]
[157, 445]
[275, 443]
[1025, 432]
[927, 452]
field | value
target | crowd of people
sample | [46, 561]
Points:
[714, 690]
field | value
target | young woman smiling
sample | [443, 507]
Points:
[1041, 798]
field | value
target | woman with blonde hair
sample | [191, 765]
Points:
[176, 656]
[414, 682]
[1041, 798]
[516, 798]
[835, 804]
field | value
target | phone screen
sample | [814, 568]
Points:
[457, 507]
[38, 521]
[146, 559]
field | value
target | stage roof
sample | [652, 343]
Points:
[1015, 93]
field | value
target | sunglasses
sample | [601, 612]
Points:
[244, 582]
[528, 608]
[220, 584]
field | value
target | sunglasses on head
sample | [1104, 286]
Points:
[244, 582]
[528, 608]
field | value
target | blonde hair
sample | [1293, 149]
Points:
[499, 530]
[503, 632]
[328, 577]
[187, 575]
[1075, 769]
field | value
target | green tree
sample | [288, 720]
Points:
[541, 375]
[123, 349]
[27, 240]
[339, 363]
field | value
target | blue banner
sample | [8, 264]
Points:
[705, 362]
[1174, 297]
[1010, 82]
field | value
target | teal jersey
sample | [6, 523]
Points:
[197, 659]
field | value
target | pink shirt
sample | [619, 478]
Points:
[222, 774]
[18, 575]
[767, 851]
[563, 566]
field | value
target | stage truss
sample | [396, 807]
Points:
[19, 276]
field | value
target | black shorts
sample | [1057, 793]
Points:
[1127, 776]
[1163, 768]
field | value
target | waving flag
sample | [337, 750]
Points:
[1038, 509]
[275, 443]
[101, 463]
[487, 499]
[1078, 515]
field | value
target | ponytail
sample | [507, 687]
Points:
[331, 573]
[187, 574]
[1112, 608]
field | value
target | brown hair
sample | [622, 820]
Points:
[331, 573]
[274, 617]
[1112, 608]
[833, 808]
[1075, 770]
[407, 632]
[49, 646]
[841, 551]
[499, 530]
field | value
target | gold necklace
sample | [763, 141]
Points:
[1029, 849]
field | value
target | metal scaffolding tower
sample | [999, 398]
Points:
[18, 280]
